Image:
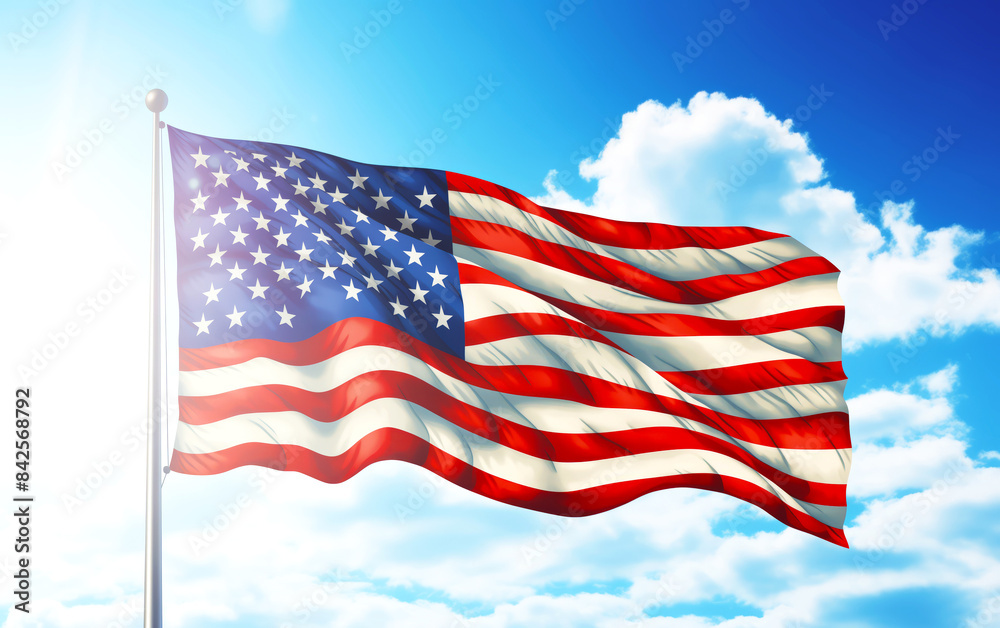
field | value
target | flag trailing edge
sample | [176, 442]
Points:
[335, 313]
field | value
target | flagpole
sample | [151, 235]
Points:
[156, 101]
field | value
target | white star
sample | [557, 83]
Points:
[261, 182]
[346, 258]
[357, 180]
[304, 252]
[200, 158]
[283, 273]
[318, 183]
[371, 281]
[239, 236]
[241, 165]
[304, 286]
[293, 161]
[286, 318]
[280, 204]
[242, 202]
[262, 222]
[442, 318]
[418, 294]
[236, 272]
[260, 257]
[321, 238]
[344, 228]
[258, 290]
[352, 292]
[359, 216]
[278, 170]
[338, 196]
[398, 308]
[413, 255]
[216, 257]
[430, 240]
[437, 277]
[202, 325]
[199, 240]
[220, 217]
[406, 223]
[212, 294]
[199, 202]
[370, 248]
[392, 269]
[220, 178]
[258, 156]
[425, 198]
[235, 318]
[300, 220]
[388, 234]
[328, 270]
[380, 200]
[299, 188]
[281, 237]
[318, 206]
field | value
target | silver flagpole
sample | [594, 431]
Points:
[156, 101]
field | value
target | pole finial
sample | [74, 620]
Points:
[156, 100]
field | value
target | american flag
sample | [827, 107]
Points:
[336, 313]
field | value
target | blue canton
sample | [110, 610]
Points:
[281, 242]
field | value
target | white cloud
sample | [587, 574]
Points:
[878, 470]
[726, 161]
[941, 382]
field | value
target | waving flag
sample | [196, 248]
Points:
[335, 313]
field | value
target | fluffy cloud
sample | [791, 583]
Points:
[724, 161]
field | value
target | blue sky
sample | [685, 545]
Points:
[871, 130]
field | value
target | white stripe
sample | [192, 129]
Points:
[588, 357]
[677, 264]
[696, 353]
[782, 401]
[805, 292]
[550, 415]
[332, 439]
[668, 353]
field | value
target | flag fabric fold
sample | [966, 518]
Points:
[334, 314]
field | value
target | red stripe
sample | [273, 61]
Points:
[733, 380]
[334, 404]
[633, 235]
[392, 444]
[504, 239]
[820, 431]
[502, 326]
[730, 380]
[661, 324]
